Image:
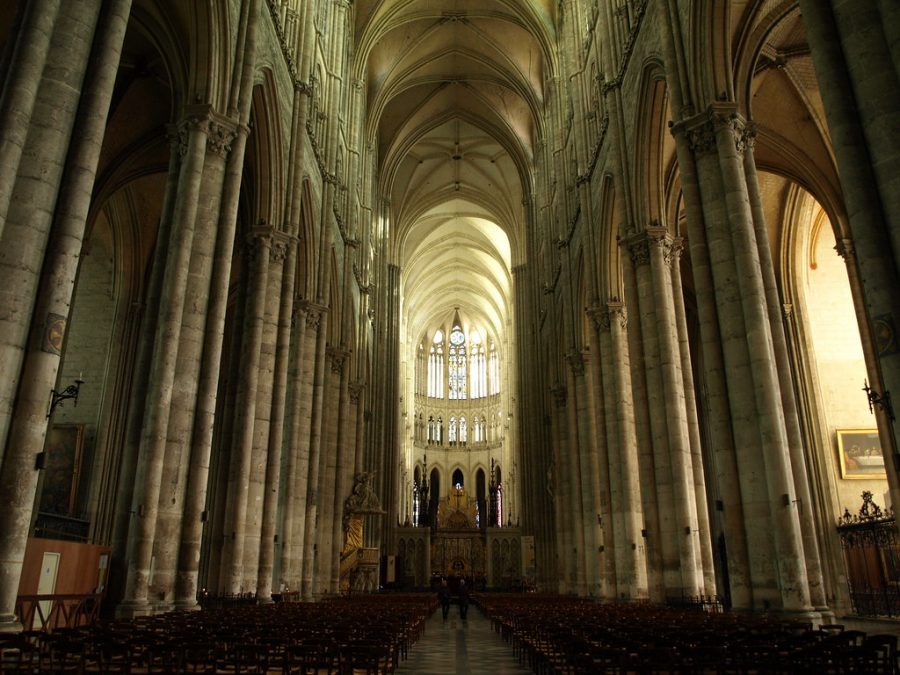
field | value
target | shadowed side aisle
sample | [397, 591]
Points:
[461, 647]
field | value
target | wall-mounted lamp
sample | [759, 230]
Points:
[70, 392]
[883, 401]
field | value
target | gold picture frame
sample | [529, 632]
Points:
[860, 454]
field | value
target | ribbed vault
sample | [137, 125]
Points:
[453, 93]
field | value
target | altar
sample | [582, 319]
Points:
[458, 545]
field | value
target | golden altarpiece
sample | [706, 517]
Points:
[458, 545]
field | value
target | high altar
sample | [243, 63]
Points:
[458, 545]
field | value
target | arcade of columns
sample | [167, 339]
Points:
[257, 355]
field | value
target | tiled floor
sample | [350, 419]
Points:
[459, 647]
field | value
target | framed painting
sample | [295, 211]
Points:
[62, 466]
[860, 454]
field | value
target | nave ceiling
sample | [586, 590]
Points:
[453, 95]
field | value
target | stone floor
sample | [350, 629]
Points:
[460, 648]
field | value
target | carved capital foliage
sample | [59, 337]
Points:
[748, 137]
[576, 362]
[259, 240]
[702, 139]
[639, 248]
[729, 121]
[618, 313]
[600, 316]
[659, 237]
[279, 250]
[675, 251]
[356, 390]
[845, 249]
[313, 312]
[176, 134]
[337, 357]
[220, 137]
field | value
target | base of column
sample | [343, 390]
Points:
[131, 609]
[806, 614]
[828, 616]
[264, 599]
[187, 606]
[9, 623]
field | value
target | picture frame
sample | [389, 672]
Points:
[860, 454]
[62, 468]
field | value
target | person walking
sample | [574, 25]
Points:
[444, 598]
[463, 600]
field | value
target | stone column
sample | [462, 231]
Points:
[20, 90]
[162, 371]
[661, 520]
[204, 419]
[576, 473]
[19, 475]
[722, 290]
[343, 468]
[851, 64]
[793, 580]
[631, 567]
[188, 365]
[272, 496]
[149, 311]
[562, 484]
[799, 470]
[589, 474]
[30, 213]
[604, 541]
[298, 465]
[259, 252]
[328, 458]
[690, 402]
[660, 244]
[289, 549]
[260, 465]
[754, 394]
[732, 544]
[194, 511]
[315, 449]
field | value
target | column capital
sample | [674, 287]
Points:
[312, 311]
[220, 135]
[575, 360]
[701, 131]
[356, 389]
[337, 356]
[220, 130]
[639, 248]
[617, 313]
[845, 248]
[259, 240]
[675, 251]
[600, 316]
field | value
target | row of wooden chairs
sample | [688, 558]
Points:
[340, 636]
[555, 634]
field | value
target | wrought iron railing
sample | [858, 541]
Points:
[871, 548]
